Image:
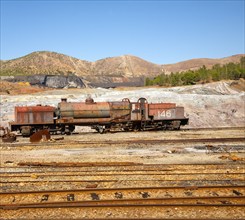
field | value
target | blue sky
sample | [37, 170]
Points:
[158, 31]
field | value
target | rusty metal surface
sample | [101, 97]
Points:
[180, 112]
[161, 105]
[42, 135]
[84, 110]
[84, 121]
[162, 110]
[136, 111]
[78, 164]
[34, 114]
[37, 108]
[7, 135]
[9, 138]
[163, 114]
[124, 115]
[120, 110]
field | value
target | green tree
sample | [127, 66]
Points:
[232, 71]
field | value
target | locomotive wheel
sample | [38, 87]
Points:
[26, 131]
[101, 129]
[67, 131]
[62, 130]
[71, 128]
[136, 127]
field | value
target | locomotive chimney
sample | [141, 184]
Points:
[89, 99]
[64, 100]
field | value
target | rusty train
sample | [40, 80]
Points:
[102, 116]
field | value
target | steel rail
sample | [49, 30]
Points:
[103, 173]
[71, 205]
[129, 218]
[8, 187]
[147, 141]
[138, 141]
[95, 165]
[116, 180]
[114, 173]
[154, 201]
[104, 167]
[110, 174]
[212, 129]
[127, 188]
[135, 177]
[55, 169]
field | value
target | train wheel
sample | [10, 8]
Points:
[176, 125]
[26, 131]
[62, 130]
[136, 127]
[67, 131]
[101, 129]
[71, 128]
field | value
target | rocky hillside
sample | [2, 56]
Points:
[110, 70]
[45, 63]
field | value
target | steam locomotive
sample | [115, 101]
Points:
[101, 116]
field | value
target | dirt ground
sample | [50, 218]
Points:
[91, 147]
[77, 148]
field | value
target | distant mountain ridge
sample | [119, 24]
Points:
[195, 64]
[115, 69]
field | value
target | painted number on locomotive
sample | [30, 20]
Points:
[165, 114]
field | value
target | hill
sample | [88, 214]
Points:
[195, 64]
[44, 62]
[121, 69]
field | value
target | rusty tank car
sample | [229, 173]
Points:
[102, 116]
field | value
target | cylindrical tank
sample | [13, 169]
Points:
[84, 110]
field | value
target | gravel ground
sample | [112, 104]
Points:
[69, 151]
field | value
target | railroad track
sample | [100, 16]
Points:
[100, 194]
[122, 190]
[110, 175]
[154, 141]
[117, 168]
[138, 141]
[107, 190]
[25, 167]
[120, 177]
[126, 202]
